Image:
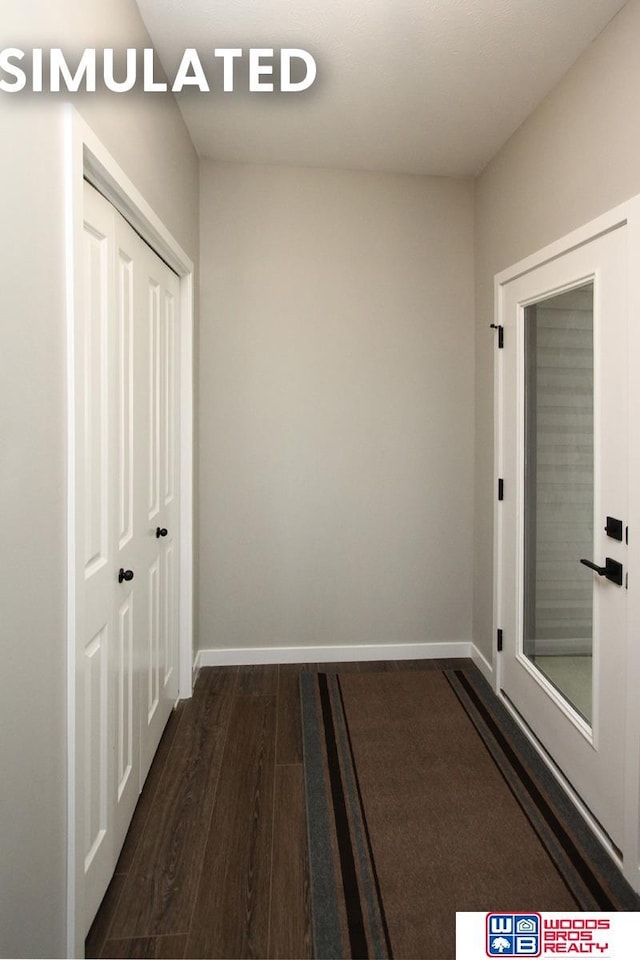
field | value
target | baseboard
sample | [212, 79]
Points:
[483, 665]
[233, 656]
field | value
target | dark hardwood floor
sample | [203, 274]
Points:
[215, 861]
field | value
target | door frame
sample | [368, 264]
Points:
[85, 157]
[627, 214]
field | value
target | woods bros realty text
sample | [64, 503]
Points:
[257, 69]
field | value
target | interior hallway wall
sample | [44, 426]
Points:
[148, 138]
[336, 397]
[575, 158]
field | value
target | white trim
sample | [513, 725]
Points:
[626, 213]
[103, 172]
[72, 190]
[483, 665]
[186, 587]
[577, 238]
[632, 751]
[498, 448]
[232, 656]
[85, 156]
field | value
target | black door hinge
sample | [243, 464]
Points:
[499, 641]
[500, 329]
[500, 489]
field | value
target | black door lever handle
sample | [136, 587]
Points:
[612, 569]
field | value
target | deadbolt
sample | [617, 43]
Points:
[613, 528]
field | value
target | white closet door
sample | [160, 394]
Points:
[159, 493]
[127, 530]
[97, 610]
[127, 475]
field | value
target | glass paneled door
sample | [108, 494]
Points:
[558, 492]
[562, 530]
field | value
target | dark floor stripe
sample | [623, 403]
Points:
[327, 929]
[565, 869]
[579, 863]
[374, 870]
[355, 921]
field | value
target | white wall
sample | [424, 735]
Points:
[576, 157]
[337, 389]
[149, 140]
[336, 397]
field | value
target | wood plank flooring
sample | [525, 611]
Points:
[215, 863]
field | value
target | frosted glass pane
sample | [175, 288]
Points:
[558, 591]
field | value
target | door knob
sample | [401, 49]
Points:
[125, 575]
[612, 570]
[161, 532]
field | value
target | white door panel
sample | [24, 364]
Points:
[126, 727]
[154, 388]
[127, 492]
[170, 652]
[129, 595]
[96, 398]
[96, 501]
[170, 515]
[96, 848]
[563, 425]
[125, 410]
[158, 295]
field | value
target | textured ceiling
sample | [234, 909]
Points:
[414, 86]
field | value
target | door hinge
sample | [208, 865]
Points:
[499, 641]
[500, 329]
[500, 489]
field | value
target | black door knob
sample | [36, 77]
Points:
[125, 575]
[161, 532]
